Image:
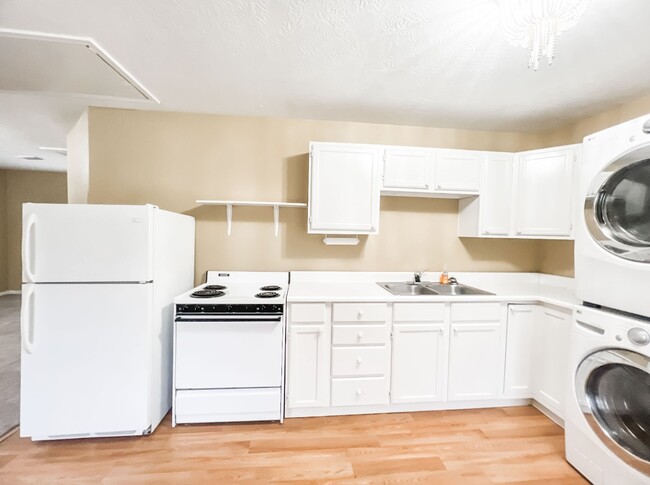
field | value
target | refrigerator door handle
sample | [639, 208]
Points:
[26, 322]
[27, 248]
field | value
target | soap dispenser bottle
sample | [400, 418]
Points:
[444, 276]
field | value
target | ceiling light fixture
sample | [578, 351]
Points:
[536, 24]
[59, 150]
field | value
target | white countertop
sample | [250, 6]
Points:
[308, 286]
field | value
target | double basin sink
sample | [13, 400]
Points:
[431, 289]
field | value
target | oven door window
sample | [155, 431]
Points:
[613, 390]
[620, 212]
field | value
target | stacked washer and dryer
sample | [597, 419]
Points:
[608, 410]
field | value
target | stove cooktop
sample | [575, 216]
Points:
[239, 288]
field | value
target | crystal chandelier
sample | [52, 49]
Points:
[536, 24]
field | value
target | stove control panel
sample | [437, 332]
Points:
[221, 309]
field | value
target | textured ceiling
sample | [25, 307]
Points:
[417, 62]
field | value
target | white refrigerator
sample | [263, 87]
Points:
[96, 317]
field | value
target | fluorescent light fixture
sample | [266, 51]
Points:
[30, 157]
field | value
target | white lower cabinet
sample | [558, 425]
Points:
[551, 358]
[419, 353]
[419, 367]
[308, 365]
[520, 334]
[474, 361]
[408, 355]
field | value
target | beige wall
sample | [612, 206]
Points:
[3, 230]
[172, 159]
[27, 186]
[556, 257]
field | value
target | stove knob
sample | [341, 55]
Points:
[638, 336]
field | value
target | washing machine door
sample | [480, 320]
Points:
[617, 207]
[613, 390]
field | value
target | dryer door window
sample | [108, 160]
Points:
[618, 213]
[613, 389]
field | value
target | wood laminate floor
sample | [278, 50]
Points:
[501, 445]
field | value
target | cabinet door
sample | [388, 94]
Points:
[519, 347]
[496, 194]
[474, 361]
[344, 189]
[418, 367]
[551, 371]
[308, 366]
[544, 193]
[458, 170]
[406, 168]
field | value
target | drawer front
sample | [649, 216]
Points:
[227, 405]
[418, 312]
[475, 312]
[356, 392]
[359, 312]
[359, 361]
[307, 312]
[359, 334]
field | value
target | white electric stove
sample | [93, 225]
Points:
[229, 349]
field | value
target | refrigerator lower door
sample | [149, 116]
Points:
[87, 243]
[86, 360]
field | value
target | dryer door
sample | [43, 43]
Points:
[617, 208]
[613, 390]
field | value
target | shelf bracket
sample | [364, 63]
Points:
[276, 219]
[229, 217]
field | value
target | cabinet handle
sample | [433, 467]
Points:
[438, 186]
[455, 332]
[441, 331]
[359, 360]
[520, 310]
[426, 186]
[559, 317]
[359, 315]
[518, 233]
[358, 392]
[359, 336]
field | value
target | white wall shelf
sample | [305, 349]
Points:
[230, 203]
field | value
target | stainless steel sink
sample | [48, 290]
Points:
[407, 289]
[427, 289]
[456, 289]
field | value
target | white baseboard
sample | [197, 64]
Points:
[10, 292]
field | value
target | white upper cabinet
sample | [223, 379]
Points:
[458, 170]
[496, 196]
[344, 185]
[407, 168]
[524, 195]
[544, 192]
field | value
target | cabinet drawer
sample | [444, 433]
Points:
[227, 405]
[307, 313]
[475, 312]
[359, 334]
[352, 392]
[418, 312]
[359, 312]
[359, 361]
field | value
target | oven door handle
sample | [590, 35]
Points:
[223, 319]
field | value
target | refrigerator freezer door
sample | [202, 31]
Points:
[87, 243]
[86, 360]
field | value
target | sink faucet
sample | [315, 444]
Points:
[417, 276]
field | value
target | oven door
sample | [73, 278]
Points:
[613, 390]
[617, 207]
[228, 353]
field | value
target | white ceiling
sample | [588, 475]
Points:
[432, 63]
